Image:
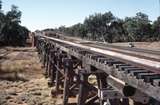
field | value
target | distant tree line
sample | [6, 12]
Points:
[106, 27]
[11, 32]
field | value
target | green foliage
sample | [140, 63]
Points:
[107, 27]
[11, 32]
[138, 27]
[97, 25]
[117, 31]
[156, 29]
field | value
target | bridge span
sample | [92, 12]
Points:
[122, 73]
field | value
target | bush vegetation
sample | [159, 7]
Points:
[11, 32]
[106, 27]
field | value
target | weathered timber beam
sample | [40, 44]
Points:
[127, 90]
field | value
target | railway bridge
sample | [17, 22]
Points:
[121, 73]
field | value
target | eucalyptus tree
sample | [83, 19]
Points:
[11, 32]
[88, 22]
[143, 26]
[110, 29]
[156, 29]
[117, 31]
[0, 4]
[98, 25]
[138, 28]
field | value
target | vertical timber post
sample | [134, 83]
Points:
[47, 59]
[57, 72]
[102, 83]
[53, 68]
[68, 71]
[83, 91]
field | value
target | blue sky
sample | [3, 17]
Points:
[41, 14]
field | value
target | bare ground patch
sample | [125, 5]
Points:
[143, 45]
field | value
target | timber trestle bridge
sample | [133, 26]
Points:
[121, 74]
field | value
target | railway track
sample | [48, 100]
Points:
[143, 53]
[131, 72]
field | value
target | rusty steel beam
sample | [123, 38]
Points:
[140, 62]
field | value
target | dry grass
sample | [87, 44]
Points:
[9, 66]
[16, 61]
[18, 65]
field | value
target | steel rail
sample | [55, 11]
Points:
[140, 62]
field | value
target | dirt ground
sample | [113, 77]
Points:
[21, 78]
[143, 45]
